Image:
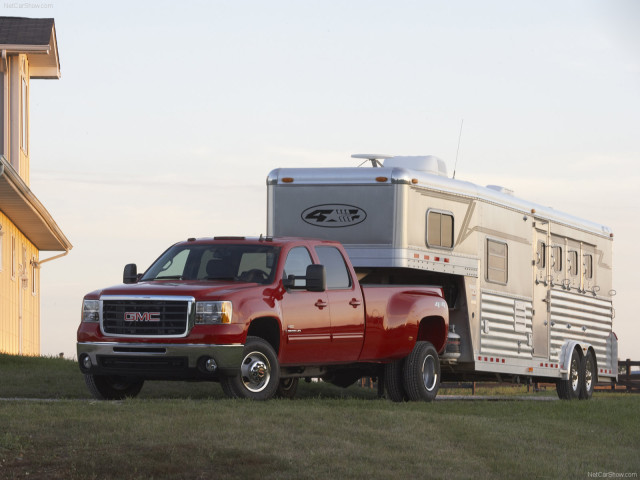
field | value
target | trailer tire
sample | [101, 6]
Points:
[422, 373]
[393, 381]
[570, 389]
[589, 376]
[106, 387]
[259, 372]
[287, 388]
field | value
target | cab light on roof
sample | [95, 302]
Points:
[287, 180]
[381, 179]
[414, 180]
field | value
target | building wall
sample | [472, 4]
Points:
[19, 292]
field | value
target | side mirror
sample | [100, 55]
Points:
[130, 274]
[316, 278]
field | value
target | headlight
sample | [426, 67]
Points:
[91, 311]
[213, 312]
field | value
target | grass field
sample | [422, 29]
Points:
[178, 430]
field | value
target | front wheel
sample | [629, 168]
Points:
[111, 387]
[422, 373]
[259, 375]
[570, 389]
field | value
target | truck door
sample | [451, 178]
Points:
[541, 290]
[347, 306]
[306, 319]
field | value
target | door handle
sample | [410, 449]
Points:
[355, 303]
[321, 304]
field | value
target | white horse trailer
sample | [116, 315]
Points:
[529, 288]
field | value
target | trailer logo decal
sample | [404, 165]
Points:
[334, 215]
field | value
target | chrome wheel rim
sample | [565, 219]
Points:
[588, 374]
[255, 372]
[429, 373]
[574, 377]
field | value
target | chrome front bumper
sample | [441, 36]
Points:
[160, 360]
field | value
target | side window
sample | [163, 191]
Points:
[497, 262]
[587, 263]
[556, 258]
[572, 263]
[541, 255]
[297, 261]
[337, 272]
[439, 229]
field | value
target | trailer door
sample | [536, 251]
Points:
[541, 289]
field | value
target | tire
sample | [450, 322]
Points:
[393, 381]
[422, 373]
[259, 375]
[589, 376]
[227, 387]
[287, 388]
[570, 389]
[104, 387]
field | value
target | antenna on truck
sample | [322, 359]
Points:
[458, 150]
[374, 158]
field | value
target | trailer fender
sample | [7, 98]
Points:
[566, 352]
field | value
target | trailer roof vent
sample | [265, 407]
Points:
[498, 188]
[427, 164]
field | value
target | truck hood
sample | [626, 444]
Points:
[198, 289]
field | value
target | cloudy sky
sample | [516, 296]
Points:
[169, 116]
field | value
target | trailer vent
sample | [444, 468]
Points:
[427, 164]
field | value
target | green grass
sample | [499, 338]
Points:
[177, 430]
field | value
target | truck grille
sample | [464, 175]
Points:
[148, 317]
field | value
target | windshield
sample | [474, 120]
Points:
[244, 263]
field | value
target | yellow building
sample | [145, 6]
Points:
[29, 51]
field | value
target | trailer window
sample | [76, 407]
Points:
[497, 262]
[556, 258]
[541, 255]
[572, 263]
[337, 273]
[587, 263]
[439, 229]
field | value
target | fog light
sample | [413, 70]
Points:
[86, 362]
[210, 365]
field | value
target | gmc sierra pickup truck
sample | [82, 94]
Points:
[256, 315]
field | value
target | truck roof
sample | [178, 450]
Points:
[277, 241]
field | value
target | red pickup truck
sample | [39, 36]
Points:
[257, 315]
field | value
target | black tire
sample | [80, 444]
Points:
[422, 373]
[259, 375]
[393, 381]
[589, 376]
[287, 388]
[227, 387]
[570, 389]
[104, 387]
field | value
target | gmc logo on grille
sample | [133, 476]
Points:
[141, 316]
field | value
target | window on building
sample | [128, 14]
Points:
[439, 229]
[556, 258]
[337, 273]
[14, 260]
[587, 263]
[572, 263]
[24, 116]
[34, 275]
[497, 262]
[541, 255]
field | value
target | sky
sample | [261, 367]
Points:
[170, 115]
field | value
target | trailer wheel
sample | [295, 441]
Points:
[422, 373]
[393, 381]
[570, 389]
[259, 372]
[287, 388]
[104, 387]
[589, 376]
